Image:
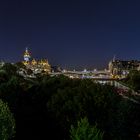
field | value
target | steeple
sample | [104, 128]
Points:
[27, 55]
[114, 58]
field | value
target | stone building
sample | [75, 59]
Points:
[122, 68]
[37, 66]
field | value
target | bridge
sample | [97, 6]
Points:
[103, 75]
[95, 72]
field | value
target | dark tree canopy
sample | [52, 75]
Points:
[46, 107]
[7, 122]
[83, 131]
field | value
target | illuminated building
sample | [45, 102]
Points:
[37, 66]
[27, 55]
[122, 68]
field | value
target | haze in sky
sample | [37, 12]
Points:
[71, 34]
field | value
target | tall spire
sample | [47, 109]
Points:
[114, 58]
[26, 50]
[27, 55]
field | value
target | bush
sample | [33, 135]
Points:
[7, 122]
[84, 131]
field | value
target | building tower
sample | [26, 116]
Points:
[27, 55]
[111, 64]
[114, 58]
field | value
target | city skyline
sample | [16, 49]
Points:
[74, 34]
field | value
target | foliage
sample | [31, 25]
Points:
[51, 104]
[133, 80]
[3, 76]
[10, 69]
[84, 131]
[20, 65]
[7, 122]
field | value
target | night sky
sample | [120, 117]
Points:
[71, 33]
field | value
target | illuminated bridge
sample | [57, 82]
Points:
[97, 75]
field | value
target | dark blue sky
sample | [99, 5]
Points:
[70, 33]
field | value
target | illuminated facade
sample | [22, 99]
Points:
[37, 66]
[122, 68]
[27, 55]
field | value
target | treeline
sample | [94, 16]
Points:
[50, 107]
[133, 80]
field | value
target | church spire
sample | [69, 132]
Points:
[114, 58]
[27, 55]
